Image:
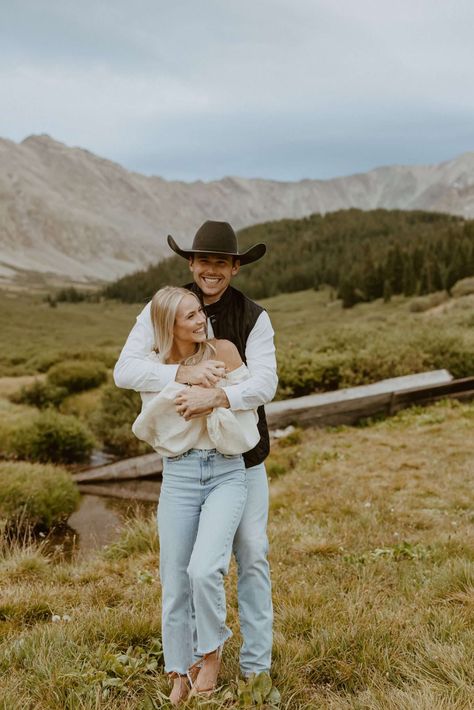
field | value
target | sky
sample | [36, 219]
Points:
[276, 89]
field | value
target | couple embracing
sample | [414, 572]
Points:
[203, 359]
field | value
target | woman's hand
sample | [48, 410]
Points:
[205, 374]
[199, 401]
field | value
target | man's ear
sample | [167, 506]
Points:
[191, 262]
[235, 267]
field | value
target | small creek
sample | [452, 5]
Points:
[99, 519]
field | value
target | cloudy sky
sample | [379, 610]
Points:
[283, 89]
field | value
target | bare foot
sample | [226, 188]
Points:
[206, 680]
[180, 690]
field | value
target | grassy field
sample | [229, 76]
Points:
[320, 345]
[34, 335]
[372, 550]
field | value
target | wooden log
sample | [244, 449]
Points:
[348, 406]
[458, 389]
[333, 413]
[137, 467]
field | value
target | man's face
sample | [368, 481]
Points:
[212, 273]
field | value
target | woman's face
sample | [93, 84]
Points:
[190, 325]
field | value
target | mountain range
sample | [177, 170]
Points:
[68, 214]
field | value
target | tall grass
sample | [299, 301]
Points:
[372, 558]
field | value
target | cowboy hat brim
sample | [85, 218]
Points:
[247, 257]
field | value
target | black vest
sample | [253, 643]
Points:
[232, 318]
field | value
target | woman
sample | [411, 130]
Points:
[202, 496]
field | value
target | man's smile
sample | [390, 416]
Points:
[211, 280]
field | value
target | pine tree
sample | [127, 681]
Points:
[408, 279]
[387, 291]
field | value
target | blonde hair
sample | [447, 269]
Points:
[164, 307]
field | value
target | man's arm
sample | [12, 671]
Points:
[261, 386]
[136, 371]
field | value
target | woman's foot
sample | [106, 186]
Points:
[180, 691]
[206, 680]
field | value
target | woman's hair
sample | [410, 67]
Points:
[164, 307]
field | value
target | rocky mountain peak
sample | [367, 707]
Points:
[68, 213]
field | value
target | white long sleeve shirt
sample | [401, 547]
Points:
[134, 370]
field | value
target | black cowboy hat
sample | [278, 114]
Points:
[218, 238]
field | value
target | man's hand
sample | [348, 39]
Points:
[199, 401]
[205, 374]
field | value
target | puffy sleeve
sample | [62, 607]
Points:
[160, 425]
[233, 432]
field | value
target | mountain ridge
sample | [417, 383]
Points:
[67, 212]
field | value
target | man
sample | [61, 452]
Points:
[214, 259]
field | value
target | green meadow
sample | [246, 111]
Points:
[363, 343]
[371, 529]
[372, 551]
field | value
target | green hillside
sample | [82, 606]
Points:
[362, 255]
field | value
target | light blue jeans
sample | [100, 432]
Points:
[254, 586]
[201, 502]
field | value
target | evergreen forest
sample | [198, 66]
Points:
[363, 255]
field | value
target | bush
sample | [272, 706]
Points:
[310, 372]
[465, 287]
[77, 375]
[44, 361]
[41, 395]
[112, 422]
[53, 437]
[454, 354]
[426, 303]
[35, 495]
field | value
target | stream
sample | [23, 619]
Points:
[99, 519]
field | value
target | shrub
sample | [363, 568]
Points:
[35, 495]
[41, 395]
[454, 354]
[463, 288]
[426, 303]
[45, 360]
[112, 422]
[53, 437]
[12, 417]
[77, 375]
[308, 373]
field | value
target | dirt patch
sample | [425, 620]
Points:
[10, 385]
